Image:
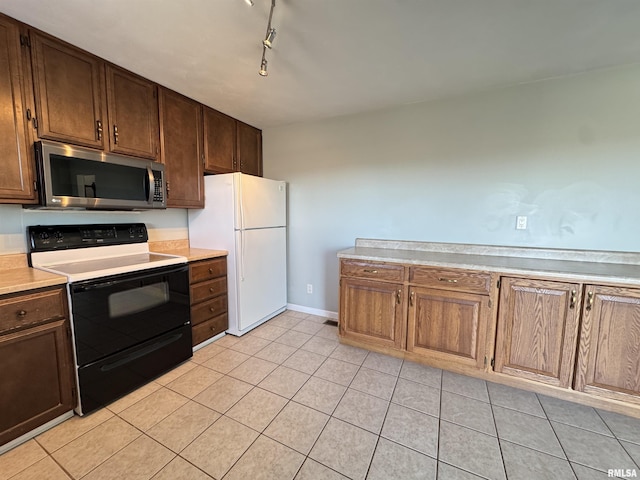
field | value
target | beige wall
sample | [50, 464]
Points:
[564, 152]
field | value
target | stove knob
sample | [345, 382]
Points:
[58, 236]
[44, 236]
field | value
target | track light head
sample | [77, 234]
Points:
[263, 68]
[271, 34]
[249, 2]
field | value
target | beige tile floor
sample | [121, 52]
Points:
[288, 401]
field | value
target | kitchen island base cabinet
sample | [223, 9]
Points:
[37, 368]
[372, 312]
[538, 330]
[609, 353]
[448, 326]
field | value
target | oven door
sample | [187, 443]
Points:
[115, 313]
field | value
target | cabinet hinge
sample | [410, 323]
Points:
[498, 283]
[490, 303]
[35, 122]
[25, 41]
[493, 362]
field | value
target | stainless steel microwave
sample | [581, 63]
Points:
[75, 177]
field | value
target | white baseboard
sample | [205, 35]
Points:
[312, 311]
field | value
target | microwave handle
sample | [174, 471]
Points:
[149, 182]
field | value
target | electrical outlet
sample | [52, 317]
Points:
[309, 288]
[521, 222]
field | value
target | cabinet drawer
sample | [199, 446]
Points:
[379, 271]
[208, 329]
[208, 269]
[18, 311]
[206, 290]
[451, 279]
[208, 309]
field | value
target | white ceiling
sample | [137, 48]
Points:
[335, 57]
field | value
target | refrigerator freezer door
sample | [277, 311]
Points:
[260, 202]
[261, 277]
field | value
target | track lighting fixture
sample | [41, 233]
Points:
[267, 42]
[249, 2]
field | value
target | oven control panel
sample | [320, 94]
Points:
[44, 238]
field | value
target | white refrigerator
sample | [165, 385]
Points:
[247, 216]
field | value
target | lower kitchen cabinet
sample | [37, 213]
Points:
[609, 353]
[537, 330]
[372, 311]
[448, 326]
[209, 302]
[37, 381]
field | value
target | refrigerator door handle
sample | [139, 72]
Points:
[242, 250]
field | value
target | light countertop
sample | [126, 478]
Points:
[25, 278]
[195, 254]
[561, 268]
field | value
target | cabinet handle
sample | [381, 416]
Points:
[447, 280]
[399, 296]
[168, 189]
[589, 301]
[211, 289]
[211, 309]
[572, 303]
[368, 270]
[22, 313]
[99, 129]
[411, 297]
[115, 134]
[211, 270]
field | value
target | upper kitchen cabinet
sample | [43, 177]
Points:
[230, 145]
[68, 86]
[219, 142]
[16, 178]
[133, 114]
[181, 149]
[249, 149]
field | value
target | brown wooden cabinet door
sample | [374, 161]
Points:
[181, 149]
[219, 142]
[372, 312]
[449, 326]
[69, 86]
[16, 177]
[609, 353]
[249, 149]
[133, 114]
[37, 381]
[537, 330]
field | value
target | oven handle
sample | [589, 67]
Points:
[141, 353]
[93, 285]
